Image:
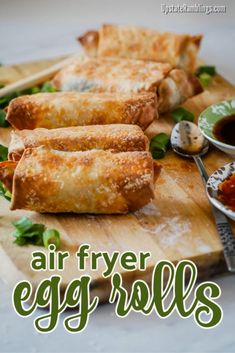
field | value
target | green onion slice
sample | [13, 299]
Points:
[4, 192]
[159, 145]
[51, 236]
[28, 232]
[48, 87]
[3, 153]
[23, 225]
[180, 114]
[210, 70]
[205, 79]
[3, 121]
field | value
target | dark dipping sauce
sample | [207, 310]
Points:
[224, 130]
[226, 192]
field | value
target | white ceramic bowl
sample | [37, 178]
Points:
[210, 116]
[212, 187]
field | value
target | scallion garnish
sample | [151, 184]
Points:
[159, 145]
[4, 192]
[3, 121]
[205, 74]
[28, 232]
[180, 114]
[48, 87]
[3, 153]
[51, 236]
[205, 79]
[210, 70]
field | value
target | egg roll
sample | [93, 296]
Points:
[172, 86]
[140, 43]
[65, 109]
[115, 137]
[7, 170]
[95, 181]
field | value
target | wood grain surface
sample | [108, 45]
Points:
[177, 225]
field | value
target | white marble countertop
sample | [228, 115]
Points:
[42, 29]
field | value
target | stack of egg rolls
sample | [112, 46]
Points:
[84, 169]
[83, 150]
[172, 86]
[140, 43]
[95, 181]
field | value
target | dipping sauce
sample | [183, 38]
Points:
[224, 130]
[226, 192]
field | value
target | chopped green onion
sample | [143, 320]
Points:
[32, 90]
[159, 145]
[48, 87]
[4, 101]
[3, 121]
[35, 90]
[3, 153]
[4, 192]
[205, 79]
[51, 236]
[23, 240]
[210, 70]
[8, 195]
[180, 114]
[28, 232]
[23, 224]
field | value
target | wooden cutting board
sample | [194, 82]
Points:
[178, 225]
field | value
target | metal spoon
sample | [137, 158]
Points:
[187, 141]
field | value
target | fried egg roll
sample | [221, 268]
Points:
[172, 86]
[64, 109]
[93, 181]
[7, 170]
[144, 44]
[116, 137]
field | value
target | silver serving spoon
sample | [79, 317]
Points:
[187, 141]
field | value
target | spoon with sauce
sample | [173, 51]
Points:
[187, 141]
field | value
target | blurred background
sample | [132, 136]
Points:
[35, 29]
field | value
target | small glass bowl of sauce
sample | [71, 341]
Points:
[217, 124]
[224, 130]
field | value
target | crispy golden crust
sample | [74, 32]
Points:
[111, 75]
[172, 86]
[144, 44]
[90, 42]
[83, 182]
[64, 109]
[116, 137]
[7, 169]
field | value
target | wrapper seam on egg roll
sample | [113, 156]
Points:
[93, 181]
[116, 137]
[172, 86]
[64, 109]
[140, 43]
